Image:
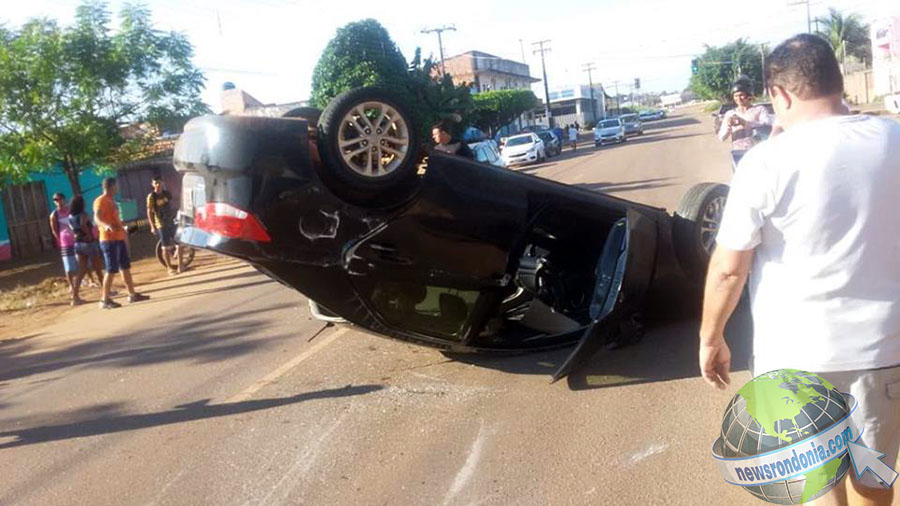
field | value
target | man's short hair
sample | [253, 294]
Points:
[59, 195]
[109, 183]
[442, 126]
[806, 66]
[157, 178]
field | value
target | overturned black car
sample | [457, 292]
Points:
[440, 251]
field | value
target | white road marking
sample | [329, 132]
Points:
[651, 450]
[163, 490]
[303, 464]
[281, 371]
[468, 469]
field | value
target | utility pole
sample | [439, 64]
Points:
[618, 108]
[762, 54]
[589, 67]
[522, 47]
[808, 15]
[439, 30]
[541, 49]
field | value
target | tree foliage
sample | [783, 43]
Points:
[495, 109]
[436, 98]
[360, 54]
[847, 35]
[66, 92]
[720, 66]
[363, 54]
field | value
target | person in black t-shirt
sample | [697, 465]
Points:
[161, 215]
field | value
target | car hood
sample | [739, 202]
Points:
[517, 150]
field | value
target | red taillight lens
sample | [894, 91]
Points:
[229, 221]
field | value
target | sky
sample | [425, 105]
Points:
[270, 47]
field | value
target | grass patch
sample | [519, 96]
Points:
[31, 296]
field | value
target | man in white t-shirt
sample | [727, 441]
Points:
[813, 219]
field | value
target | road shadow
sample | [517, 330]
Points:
[108, 419]
[194, 271]
[207, 338]
[176, 285]
[262, 281]
[667, 352]
[606, 187]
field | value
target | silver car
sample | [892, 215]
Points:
[609, 130]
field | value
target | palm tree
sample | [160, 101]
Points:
[848, 35]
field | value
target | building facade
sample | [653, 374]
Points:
[486, 72]
[573, 103]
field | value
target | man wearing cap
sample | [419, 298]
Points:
[738, 123]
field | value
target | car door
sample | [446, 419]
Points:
[624, 273]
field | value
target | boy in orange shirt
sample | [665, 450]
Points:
[112, 244]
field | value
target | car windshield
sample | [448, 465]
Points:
[629, 117]
[609, 124]
[545, 136]
[519, 141]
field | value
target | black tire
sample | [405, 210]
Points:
[187, 256]
[696, 224]
[310, 114]
[345, 178]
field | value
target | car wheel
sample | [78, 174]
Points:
[369, 147]
[310, 114]
[696, 225]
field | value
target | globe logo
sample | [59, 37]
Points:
[786, 437]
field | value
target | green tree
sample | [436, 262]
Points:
[360, 54]
[848, 35]
[495, 109]
[720, 66]
[66, 92]
[363, 54]
[437, 98]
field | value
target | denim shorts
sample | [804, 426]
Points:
[87, 249]
[115, 256]
[70, 263]
[166, 235]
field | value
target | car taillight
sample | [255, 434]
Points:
[229, 221]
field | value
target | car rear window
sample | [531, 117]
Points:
[519, 141]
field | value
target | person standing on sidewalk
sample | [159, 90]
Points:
[812, 221]
[59, 226]
[161, 215]
[86, 248]
[112, 245]
[573, 137]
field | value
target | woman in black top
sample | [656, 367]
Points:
[86, 247]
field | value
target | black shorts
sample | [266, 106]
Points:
[166, 235]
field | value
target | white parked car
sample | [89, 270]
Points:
[522, 149]
[609, 130]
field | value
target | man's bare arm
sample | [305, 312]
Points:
[728, 270]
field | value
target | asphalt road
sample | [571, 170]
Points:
[222, 390]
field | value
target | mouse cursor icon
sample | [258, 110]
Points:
[866, 458]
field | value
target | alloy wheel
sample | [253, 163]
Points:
[373, 139]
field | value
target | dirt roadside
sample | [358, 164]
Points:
[41, 294]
